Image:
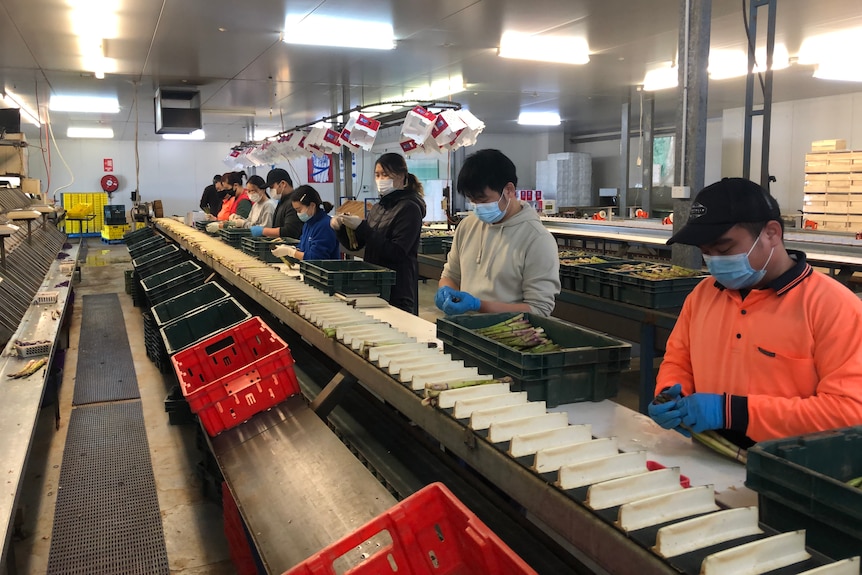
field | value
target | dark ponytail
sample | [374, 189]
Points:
[306, 195]
[236, 178]
[414, 185]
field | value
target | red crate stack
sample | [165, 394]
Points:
[430, 532]
[241, 554]
[235, 374]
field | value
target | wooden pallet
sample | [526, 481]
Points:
[833, 162]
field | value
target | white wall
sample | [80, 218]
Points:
[524, 150]
[794, 126]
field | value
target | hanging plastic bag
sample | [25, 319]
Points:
[418, 124]
[360, 132]
[470, 134]
[447, 128]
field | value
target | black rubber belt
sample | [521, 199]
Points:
[107, 518]
[105, 369]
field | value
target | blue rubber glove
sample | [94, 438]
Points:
[702, 411]
[441, 296]
[668, 414]
[459, 302]
[256, 231]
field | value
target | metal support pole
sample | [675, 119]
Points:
[691, 120]
[766, 108]
[625, 154]
[346, 153]
[647, 140]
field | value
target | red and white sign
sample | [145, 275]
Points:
[109, 164]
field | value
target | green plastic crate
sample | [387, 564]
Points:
[586, 369]
[431, 244]
[131, 238]
[570, 274]
[651, 293]
[800, 483]
[147, 245]
[158, 260]
[178, 306]
[447, 245]
[261, 248]
[202, 323]
[348, 277]
[233, 236]
[173, 281]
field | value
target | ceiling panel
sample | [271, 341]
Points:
[246, 75]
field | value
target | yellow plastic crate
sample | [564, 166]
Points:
[114, 232]
[96, 200]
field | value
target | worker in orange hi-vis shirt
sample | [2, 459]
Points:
[766, 347]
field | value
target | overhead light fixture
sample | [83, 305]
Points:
[556, 49]
[264, 133]
[93, 22]
[847, 70]
[539, 119]
[661, 78]
[196, 135]
[85, 104]
[725, 64]
[833, 54]
[104, 133]
[314, 30]
[438, 89]
[26, 112]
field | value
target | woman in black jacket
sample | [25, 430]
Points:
[390, 233]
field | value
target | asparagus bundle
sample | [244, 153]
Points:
[855, 482]
[711, 439]
[29, 369]
[517, 332]
[432, 390]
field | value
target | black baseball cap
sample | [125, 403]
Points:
[722, 205]
[277, 175]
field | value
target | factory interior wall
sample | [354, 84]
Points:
[177, 171]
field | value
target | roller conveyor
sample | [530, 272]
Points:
[566, 513]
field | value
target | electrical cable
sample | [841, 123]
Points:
[59, 152]
[751, 46]
[42, 147]
[137, 157]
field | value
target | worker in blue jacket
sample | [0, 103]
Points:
[318, 240]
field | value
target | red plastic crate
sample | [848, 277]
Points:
[430, 532]
[240, 551]
[684, 481]
[236, 374]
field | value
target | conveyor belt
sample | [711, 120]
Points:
[107, 517]
[106, 371]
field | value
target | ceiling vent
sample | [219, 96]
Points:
[178, 111]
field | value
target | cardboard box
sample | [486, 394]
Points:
[828, 145]
[13, 157]
[32, 186]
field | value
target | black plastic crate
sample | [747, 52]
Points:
[592, 279]
[233, 236]
[178, 409]
[801, 484]
[348, 277]
[115, 215]
[447, 245]
[158, 260]
[138, 249]
[586, 369]
[202, 323]
[136, 236]
[261, 248]
[201, 225]
[570, 273]
[173, 281]
[180, 305]
[654, 294]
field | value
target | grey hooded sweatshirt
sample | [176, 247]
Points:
[513, 261]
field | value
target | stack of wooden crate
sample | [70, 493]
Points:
[833, 190]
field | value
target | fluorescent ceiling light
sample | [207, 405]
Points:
[661, 79]
[848, 70]
[264, 133]
[316, 30]
[438, 89]
[539, 119]
[734, 63]
[28, 114]
[557, 49]
[86, 104]
[834, 45]
[105, 133]
[196, 135]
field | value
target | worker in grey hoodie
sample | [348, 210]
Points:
[502, 258]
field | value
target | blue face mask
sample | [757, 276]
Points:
[490, 213]
[735, 271]
[303, 217]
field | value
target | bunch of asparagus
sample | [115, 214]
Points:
[855, 482]
[518, 333]
[29, 369]
[710, 438]
[432, 390]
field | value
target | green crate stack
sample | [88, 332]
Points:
[447, 245]
[233, 236]
[587, 368]
[348, 277]
[431, 244]
[261, 248]
[127, 275]
[570, 270]
[145, 246]
[159, 260]
[801, 483]
[178, 306]
[131, 238]
[173, 281]
[202, 323]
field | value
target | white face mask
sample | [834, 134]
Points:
[255, 198]
[385, 186]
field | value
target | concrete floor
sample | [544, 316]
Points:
[193, 526]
